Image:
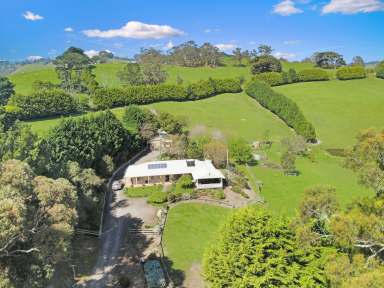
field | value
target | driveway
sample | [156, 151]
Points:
[123, 243]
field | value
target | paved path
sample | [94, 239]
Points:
[120, 252]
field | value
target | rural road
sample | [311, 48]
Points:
[120, 253]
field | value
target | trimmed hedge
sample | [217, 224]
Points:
[115, 97]
[271, 78]
[44, 103]
[380, 72]
[351, 72]
[314, 74]
[283, 107]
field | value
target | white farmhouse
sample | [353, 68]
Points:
[204, 174]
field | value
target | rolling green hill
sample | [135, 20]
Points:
[340, 109]
[106, 73]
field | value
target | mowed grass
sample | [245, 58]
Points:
[283, 194]
[235, 115]
[339, 110]
[106, 73]
[190, 229]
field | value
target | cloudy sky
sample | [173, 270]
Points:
[295, 28]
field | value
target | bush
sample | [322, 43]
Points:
[380, 70]
[87, 140]
[283, 107]
[351, 72]
[158, 197]
[45, 103]
[185, 182]
[314, 74]
[114, 97]
[271, 78]
[265, 63]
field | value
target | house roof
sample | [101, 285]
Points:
[200, 169]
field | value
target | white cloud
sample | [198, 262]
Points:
[291, 42]
[169, 45]
[68, 29]
[209, 30]
[286, 8]
[225, 47]
[91, 53]
[285, 55]
[34, 58]
[353, 6]
[32, 16]
[252, 43]
[136, 30]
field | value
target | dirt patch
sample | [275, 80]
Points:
[193, 277]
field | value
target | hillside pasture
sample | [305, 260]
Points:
[339, 110]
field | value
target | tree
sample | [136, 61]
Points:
[265, 63]
[74, 69]
[217, 152]
[238, 55]
[256, 249]
[358, 61]
[131, 74]
[210, 55]
[170, 123]
[264, 50]
[367, 159]
[287, 161]
[20, 143]
[6, 90]
[153, 73]
[292, 76]
[36, 227]
[295, 144]
[328, 60]
[240, 151]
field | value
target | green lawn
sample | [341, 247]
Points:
[190, 229]
[340, 109]
[106, 74]
[233, 114]
[284, 193]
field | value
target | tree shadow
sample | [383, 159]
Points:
[177, 276]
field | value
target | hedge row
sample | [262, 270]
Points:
[380, 72]
[44, 103]
[314, 74]
[114, 97]
[351, 72]
[277, 79]
[283, 107]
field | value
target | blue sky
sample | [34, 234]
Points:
[294, 28]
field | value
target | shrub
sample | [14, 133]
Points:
[114, 97]
[283, 107]
[271, 78]
[351, 72]
[45, 103]
[185, 182]
[292, 76]
[87, 139]
[265, 63]
[314, 74]
[380, 70]
[158, 197]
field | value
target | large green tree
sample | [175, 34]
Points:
[6, 90]
[367, 159]
[256, 249]
[37, 218]
[74, 69]
[131, 74]
[265, 63]
[328, 59]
